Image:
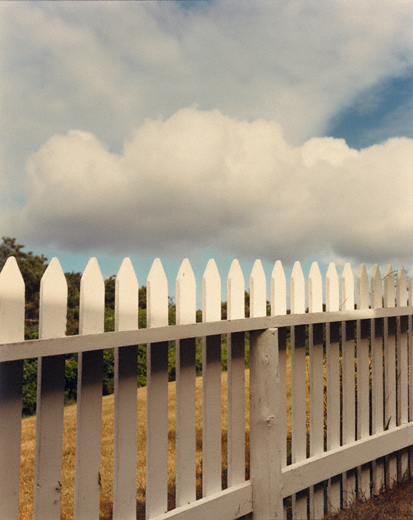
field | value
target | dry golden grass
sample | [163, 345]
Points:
[391, 504]
[401, 497]
[69, 443]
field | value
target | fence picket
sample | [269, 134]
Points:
[377, 372]
[316, 354]
[50, 397]
[89, 397]
[125, 398]
[298, 384]
[363, 408]
[279, 307]
[348, 379]
[157, 396]
[236, 378]
[211, 383]
[11, 376]
[258, 291]
[390, 408]
[333, 380]
[402, 364]
[410, 349]
[185, 389]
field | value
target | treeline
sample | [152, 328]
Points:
[32, 268]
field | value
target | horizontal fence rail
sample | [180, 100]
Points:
[73, 344]
[329, 417]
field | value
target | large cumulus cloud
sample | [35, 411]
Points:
[200, 179]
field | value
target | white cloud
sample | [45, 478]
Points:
[106, 66]
[203, 180]
[240, 172]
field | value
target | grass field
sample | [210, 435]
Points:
[28, 445]
[391, 505]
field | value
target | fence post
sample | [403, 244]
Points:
[265, 426]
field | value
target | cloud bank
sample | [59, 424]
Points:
[107, 66]
[200, 179]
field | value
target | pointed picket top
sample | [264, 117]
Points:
[235, 292]
[185, 294]
[362, 288]
[315, 289]
[278, 290]
[157, 296]
[211, 293]
[92, 300]
[53, 302]
[389, 289]
[297, 290]
[258, 291]
[401, 287]
[126, 297]
[376, 288]
[12, 301]
[347, 288]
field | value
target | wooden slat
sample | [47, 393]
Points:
[157, 396]
[125, 398]
[402, 354]
[258, 291]
[236, 378]
[279, 307]
[402, 366]
[50, 397]
[410, 349]
[390, 395]
[89, 397]
[185, 389]
[278, 290]
[363, 407]
[377, 373]
[333, 382]
[348, 380]
[11, 376]
[298, 384]
[211, 384]
[316, 355]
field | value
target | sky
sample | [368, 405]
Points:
[272, 130]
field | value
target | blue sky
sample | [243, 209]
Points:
[229, 129]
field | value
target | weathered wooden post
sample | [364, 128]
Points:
[265, 426]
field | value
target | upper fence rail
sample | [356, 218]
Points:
[387, 296]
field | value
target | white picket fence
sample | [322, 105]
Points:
[355, 437]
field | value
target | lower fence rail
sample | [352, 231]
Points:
[230, 504]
